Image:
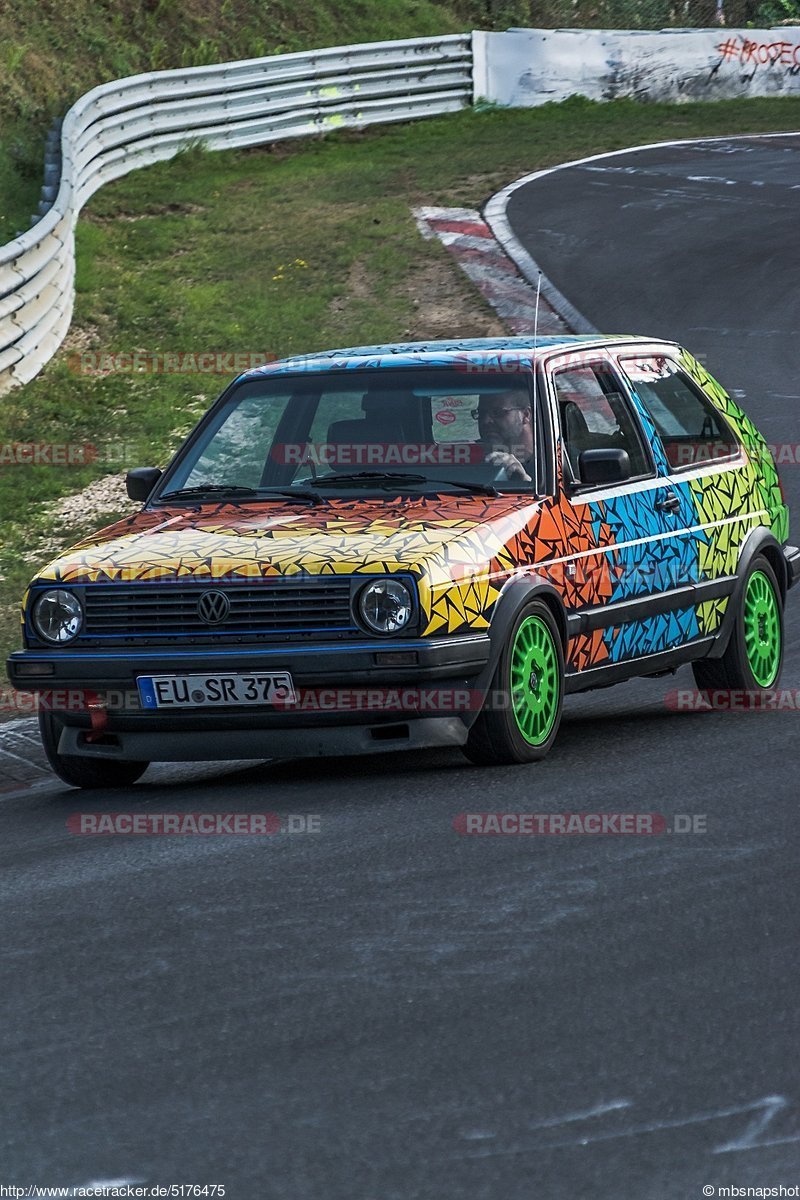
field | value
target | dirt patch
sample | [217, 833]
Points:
[283, 148]
[446, 303]
[474, 190]
[358, 288]
[153, 210]
[357, 282]
[83, 337]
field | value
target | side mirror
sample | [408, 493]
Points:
[141, 481]
[603, 466]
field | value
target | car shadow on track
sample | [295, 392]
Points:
[593, 737]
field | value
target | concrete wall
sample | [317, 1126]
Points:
[526, 67]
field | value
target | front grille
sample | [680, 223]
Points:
[165, 613]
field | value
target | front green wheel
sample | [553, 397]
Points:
[535, 680]
[520, 718]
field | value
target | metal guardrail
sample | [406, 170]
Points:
[130, 123]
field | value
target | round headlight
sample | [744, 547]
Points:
[57, 616]
[386, 605]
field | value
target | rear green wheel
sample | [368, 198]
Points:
[763, 635]
[754, 655]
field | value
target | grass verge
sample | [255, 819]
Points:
[51, 52]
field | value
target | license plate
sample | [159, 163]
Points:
[273, 688]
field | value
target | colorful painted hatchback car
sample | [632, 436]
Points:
[412, 546]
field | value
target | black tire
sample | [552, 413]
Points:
[733, 672]
[85, 772]
[496, 738]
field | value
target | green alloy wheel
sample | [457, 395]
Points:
[520, 718]
[754, 655]
[535, 680]
[763, 636]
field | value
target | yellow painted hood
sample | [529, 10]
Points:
[459, 548]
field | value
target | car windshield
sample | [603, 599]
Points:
[361, 430]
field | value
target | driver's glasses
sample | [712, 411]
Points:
[484, 415]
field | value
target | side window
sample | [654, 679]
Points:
[594, 416]
[692, 430]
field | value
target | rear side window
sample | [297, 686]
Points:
[594, 415]
[693, 431]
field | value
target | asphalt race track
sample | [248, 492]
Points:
[385, 1010]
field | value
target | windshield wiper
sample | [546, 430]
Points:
[333, 479]
[384, 478]
[213, 489]
[224, 491]
[478, 489]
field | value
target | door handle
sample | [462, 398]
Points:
[671, 502]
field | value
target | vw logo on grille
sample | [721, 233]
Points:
[213, 607]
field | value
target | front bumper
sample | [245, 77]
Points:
[361, 662]
[430, 702]
[792, 556]
[164, 745]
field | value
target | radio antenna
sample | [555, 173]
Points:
[535, 389]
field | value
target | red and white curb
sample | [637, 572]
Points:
[465, 234]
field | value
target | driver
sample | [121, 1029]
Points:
[506, 433]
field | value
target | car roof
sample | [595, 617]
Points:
[431, 353]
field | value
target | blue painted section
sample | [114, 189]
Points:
[687, 514]
[483, 352]
[655, 564]
[653, 634]
[659, 456]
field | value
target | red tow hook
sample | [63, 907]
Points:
[98, 715]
